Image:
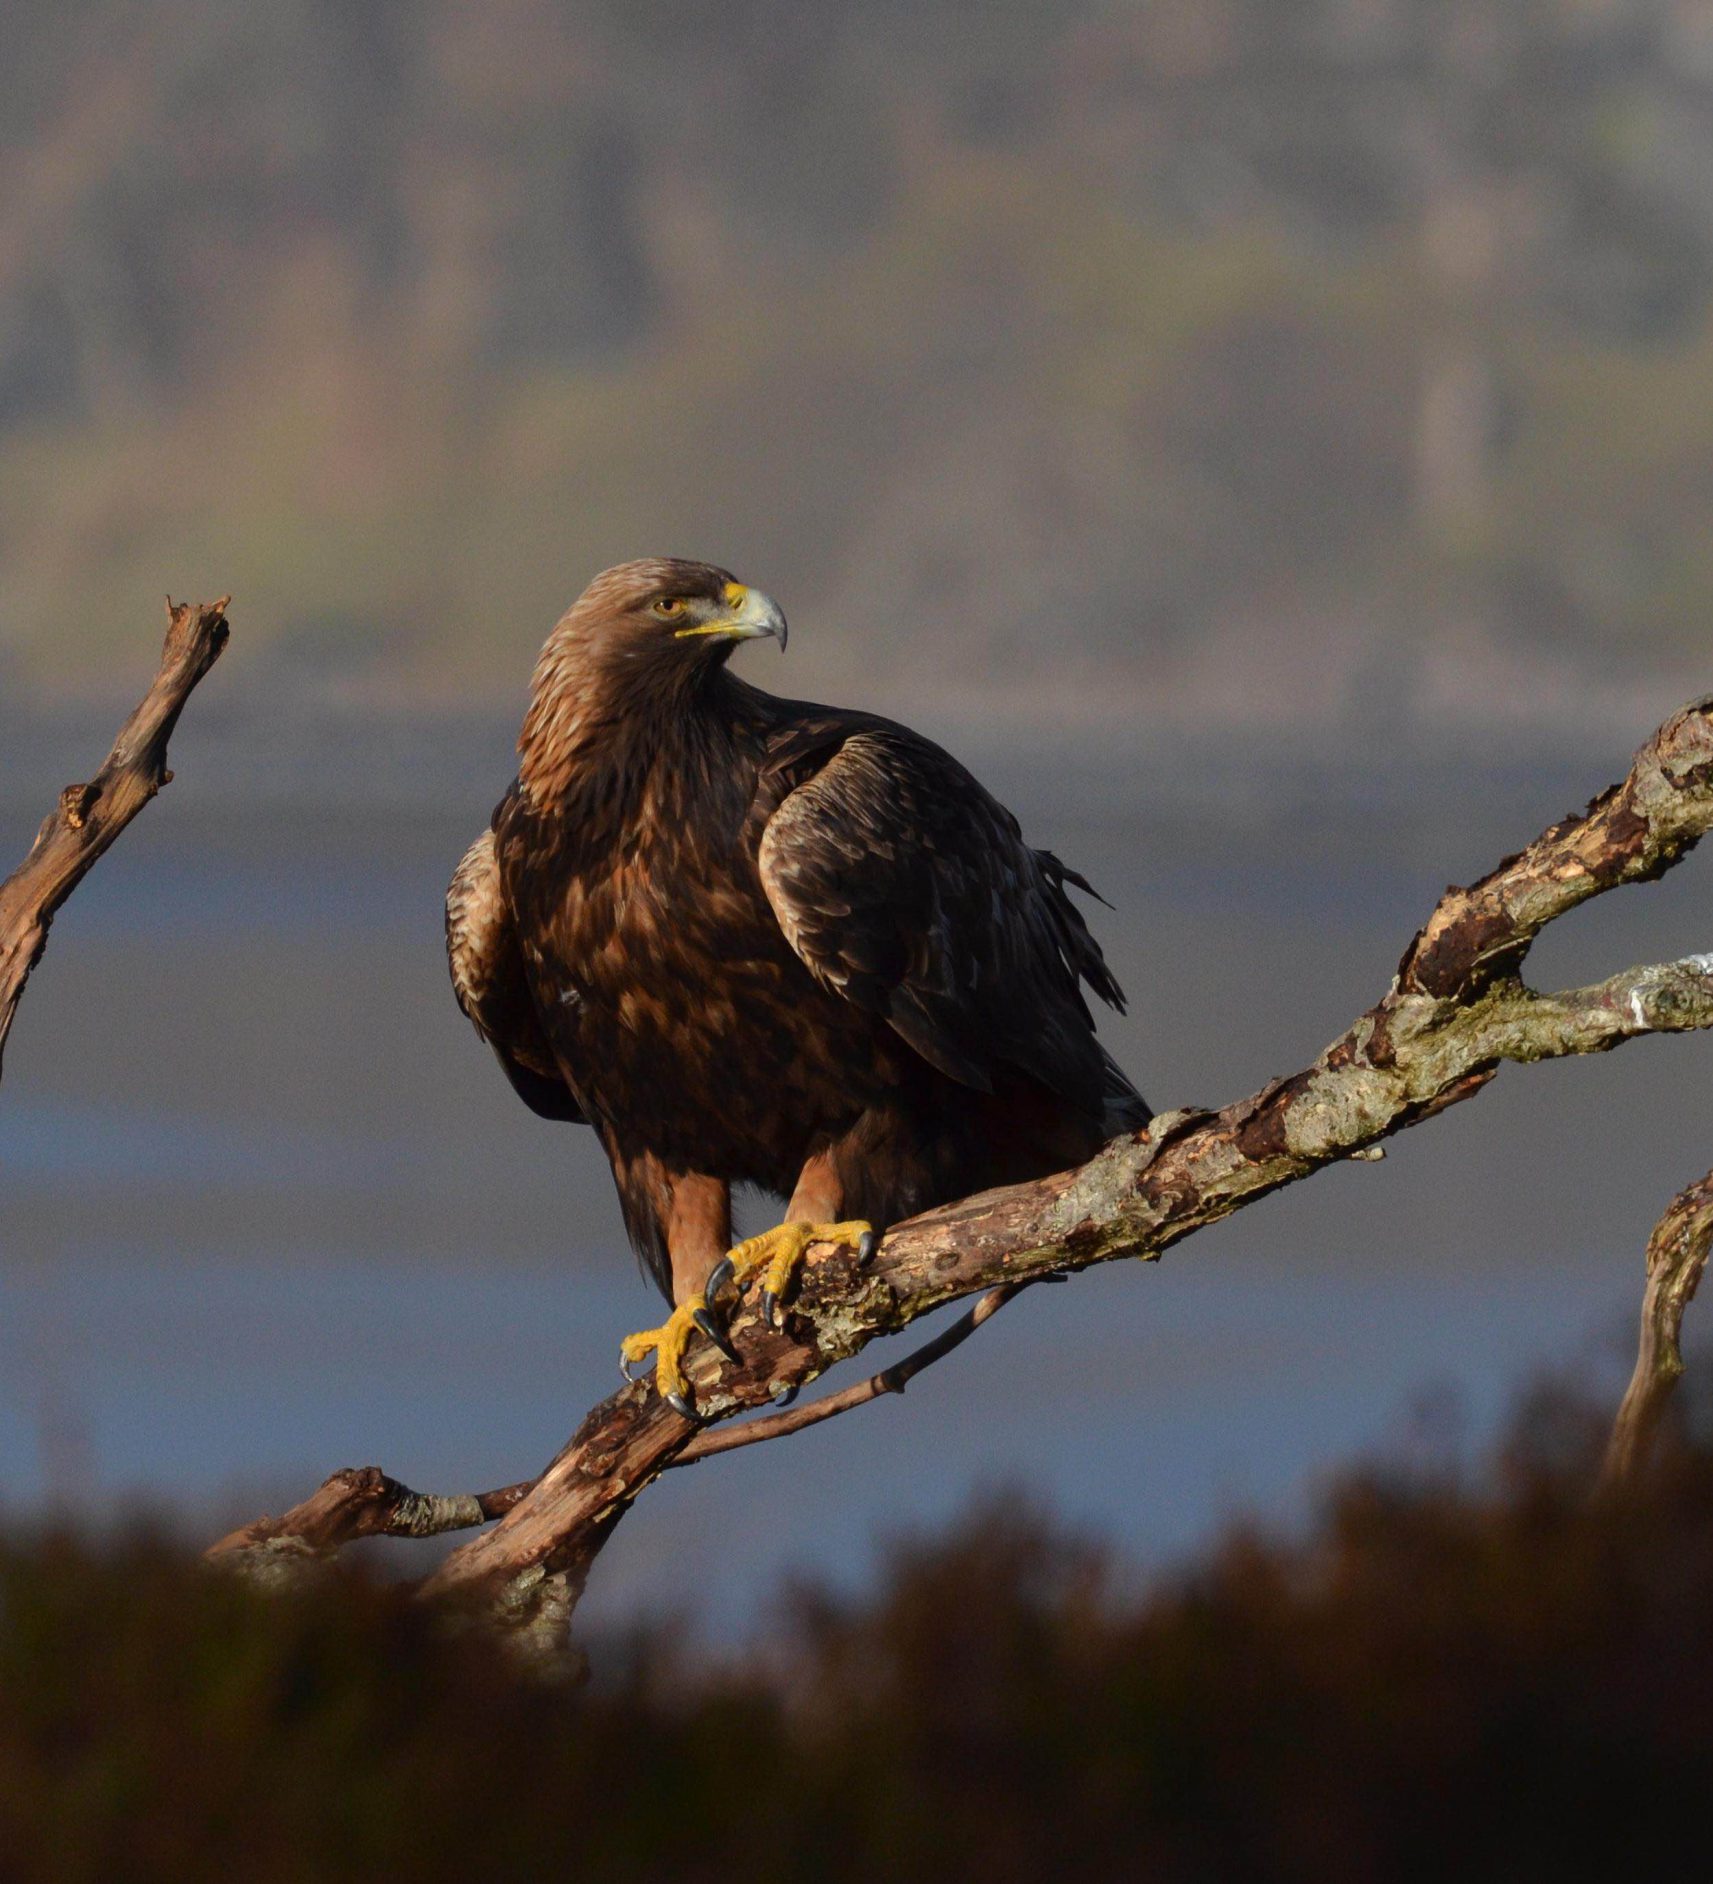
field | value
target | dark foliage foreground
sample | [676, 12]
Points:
[1496, 1682]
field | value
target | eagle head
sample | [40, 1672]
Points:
[671, 609]
[638, 632]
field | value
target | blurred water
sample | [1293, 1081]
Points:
[266, 1207]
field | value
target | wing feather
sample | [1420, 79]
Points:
[488, 978]
[906, 887]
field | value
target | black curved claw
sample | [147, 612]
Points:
[770, 1312]
[785, 1395]
[681, 1406]
[625, 1365]
[867, 1244]
[718, 1277]
[704, 1319]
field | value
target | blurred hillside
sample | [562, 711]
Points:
[1280, 363]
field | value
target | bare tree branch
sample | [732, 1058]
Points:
[1677, 1254]
[356, 1501]
[1456, 1011]
[89, 817]
[362, 1501]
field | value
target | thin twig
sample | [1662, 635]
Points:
[1677, 1254]
[893, 1379]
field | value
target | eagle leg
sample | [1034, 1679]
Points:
[667, 1343]
[777, 1253]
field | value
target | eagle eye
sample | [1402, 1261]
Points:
[669, 607]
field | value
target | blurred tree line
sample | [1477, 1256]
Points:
[1374, 329]
[1452, 1673]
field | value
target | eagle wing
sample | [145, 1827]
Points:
[907, 888]
[487, 976]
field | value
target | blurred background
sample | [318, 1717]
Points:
[1270, 440]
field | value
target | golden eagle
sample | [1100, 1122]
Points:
[755, 941]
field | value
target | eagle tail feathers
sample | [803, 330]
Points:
[1126, 1110]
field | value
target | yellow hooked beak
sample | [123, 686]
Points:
[751, 616]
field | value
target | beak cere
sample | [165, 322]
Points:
[753, 617]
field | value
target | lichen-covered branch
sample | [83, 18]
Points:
[357, 1501]
[1457, 1010]
[89, 817]
[1677, 1255]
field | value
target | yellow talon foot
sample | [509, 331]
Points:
[776, 1253]
[667, 1344]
